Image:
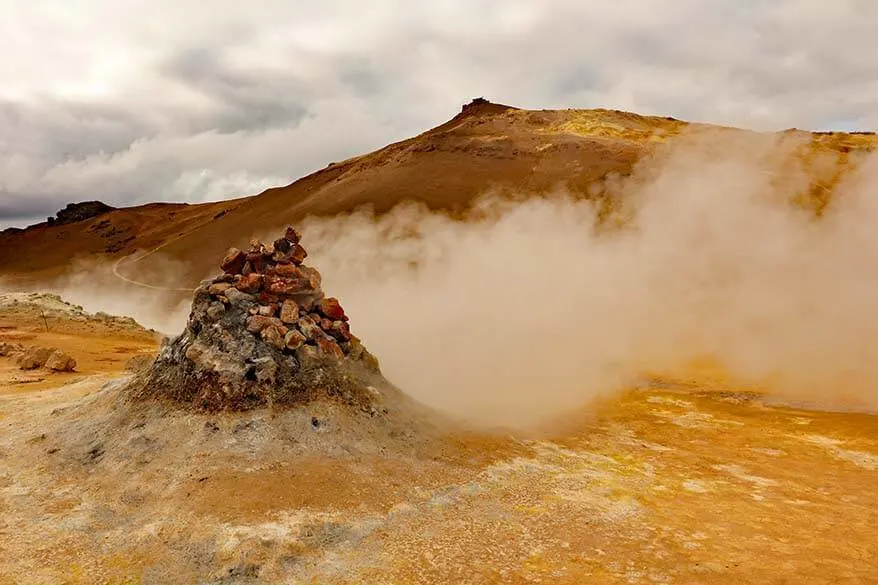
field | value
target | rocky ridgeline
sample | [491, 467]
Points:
[263, 332]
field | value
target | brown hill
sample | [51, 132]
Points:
[485, 147]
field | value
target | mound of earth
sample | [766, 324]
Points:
[263, 333]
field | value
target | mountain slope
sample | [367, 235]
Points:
[486, 147]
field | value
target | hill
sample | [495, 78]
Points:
[486, 147]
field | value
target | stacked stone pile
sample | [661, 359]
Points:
[262, 332]
[288, 308]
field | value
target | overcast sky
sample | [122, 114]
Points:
[129, 101]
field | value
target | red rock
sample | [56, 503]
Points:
[256, 261]
[234, 261]
[286, 286]
[289, 312]
[313, 276]
[306, 303]
[325, 324]
[330, 307]
[257, 323]
[340, 330]
[294, 339]
[250, 283]
[266, 298]
[310, 328]
[274, 336]
[288, 271]
[268, 310]
[328, 348]
[292, 236]
[218, 288]
[298, 254]
[306, 352]
[282, 246]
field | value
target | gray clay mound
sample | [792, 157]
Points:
[263, 334]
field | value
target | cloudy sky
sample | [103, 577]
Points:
[130, 101]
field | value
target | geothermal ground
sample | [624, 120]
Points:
[687, 479]
[758, 249]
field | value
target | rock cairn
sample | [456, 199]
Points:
[263, 332]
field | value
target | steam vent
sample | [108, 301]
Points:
[262, 333]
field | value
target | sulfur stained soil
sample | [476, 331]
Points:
[686, 479]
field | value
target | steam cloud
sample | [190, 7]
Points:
[531, 308]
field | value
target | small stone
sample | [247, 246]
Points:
[194, 352]
[274, 336]
[216, 310]
[331, 308]
[234, 261]
[7, 349]
[312, 275]
[307, 302]
[288, 271]
[328, 348]
[306, 352]
[294, 339]
[250, 283]
[340, 330]
[256, 261]
[310, 328]
[34, 357]
[266, 298]
[355, 348]
[267, 310]
[218, 288]
[60, 362]
[292, 235]
[289, 312]
[238, 298]
[298, 254]
[257, 323]
[282, 257]
[282, 246]
[286, 286]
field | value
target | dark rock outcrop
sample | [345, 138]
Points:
[74, 212]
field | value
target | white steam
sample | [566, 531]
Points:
[532, 310]
[528, 309]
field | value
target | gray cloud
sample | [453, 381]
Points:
[184, 103]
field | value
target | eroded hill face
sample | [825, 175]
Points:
[486, 148]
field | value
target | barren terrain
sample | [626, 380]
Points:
[687, 479]
[665, 469]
